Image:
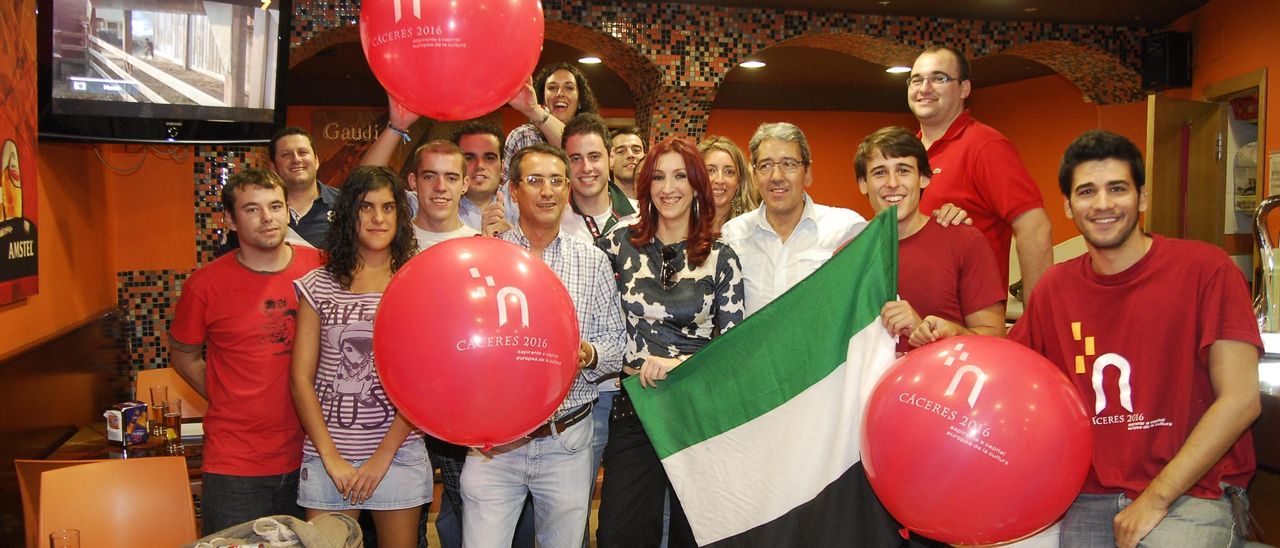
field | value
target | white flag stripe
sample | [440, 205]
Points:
[761, 470]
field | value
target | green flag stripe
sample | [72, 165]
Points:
[736, 378]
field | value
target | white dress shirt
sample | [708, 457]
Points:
[771, 266]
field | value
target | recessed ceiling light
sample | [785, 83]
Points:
[751, 64]
[897, 69]
[589, 60]
[1029, 10]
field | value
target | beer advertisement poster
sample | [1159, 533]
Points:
[18, 196]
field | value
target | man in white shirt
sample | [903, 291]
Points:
[788, 236]
[597, 205]
[439, 177]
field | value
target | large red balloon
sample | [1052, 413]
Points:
[476, 341]
[976, 440]
[451, 59]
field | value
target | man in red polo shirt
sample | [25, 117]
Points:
[976, 168]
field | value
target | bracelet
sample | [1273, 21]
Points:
[404, 135]
[545, 115]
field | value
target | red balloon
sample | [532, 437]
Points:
[476, 341]
[451, 59]
[976, 440]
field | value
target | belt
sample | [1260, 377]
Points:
[573, 417]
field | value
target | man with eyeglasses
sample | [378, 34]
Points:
[628, 151]
[975, 168]
[788, 236]
[553, 463]
[597, 205]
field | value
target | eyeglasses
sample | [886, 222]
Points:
[789, 165]
[538, 181]
[937, 79]
[668, 266]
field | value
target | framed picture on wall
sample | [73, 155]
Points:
[19, 246]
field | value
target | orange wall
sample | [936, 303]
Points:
[833, 139]
[77, 281]
[152, 211]
[1041, 116]
[95, 222]
[1234, 37]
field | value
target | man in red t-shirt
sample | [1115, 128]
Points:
[1158, 337]
[239, 312]
[976, 168]
[947, 277]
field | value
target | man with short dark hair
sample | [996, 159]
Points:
[627, 151]
[975, 168]
[553, 462]
[231, 339]
[597, 205]
[947, 277]
[486, 208]
[1158, 337]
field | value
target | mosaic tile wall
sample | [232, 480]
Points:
[147, 297]
[673, 56]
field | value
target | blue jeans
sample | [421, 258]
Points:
[1192, 522]
[232, 500]
[554, 469]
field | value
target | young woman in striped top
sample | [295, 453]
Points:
[360, 454]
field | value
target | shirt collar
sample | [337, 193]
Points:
[516, 235]
[328, 194]
[809, 213]
[963, 121]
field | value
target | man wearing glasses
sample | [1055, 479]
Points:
[553, 463]
[788, 236]
[976, 168]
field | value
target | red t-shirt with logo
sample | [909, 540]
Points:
[1154, 324]
[977, 169]
[948, 272]
[246, 321]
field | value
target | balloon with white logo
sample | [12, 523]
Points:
[476, 341]
[451, 59]
[976, 440]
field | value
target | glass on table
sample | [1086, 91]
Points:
[155, 417]
[173, 428]
[65, 538]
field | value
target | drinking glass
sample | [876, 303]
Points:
[155, 416]
[65, 538]
[173, 428]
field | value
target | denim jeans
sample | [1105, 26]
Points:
[1191, 522]
[232, 500]
[553, 469]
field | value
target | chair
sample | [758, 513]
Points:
[193, 404]
[120, 502]
[29, 472]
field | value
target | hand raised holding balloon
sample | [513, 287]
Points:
[586, 355]
[398, 115]
[525, 101]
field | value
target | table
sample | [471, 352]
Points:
[90, 443]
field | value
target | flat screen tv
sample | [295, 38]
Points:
[156, 71]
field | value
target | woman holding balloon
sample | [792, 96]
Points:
[360, 453]
[680, 288]
[553, 96]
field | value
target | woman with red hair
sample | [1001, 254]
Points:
[680, 288]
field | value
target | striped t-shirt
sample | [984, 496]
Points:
[354, 405]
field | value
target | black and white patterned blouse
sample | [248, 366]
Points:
[678, 311]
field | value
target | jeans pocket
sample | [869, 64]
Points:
[413, 453]
[576, 437]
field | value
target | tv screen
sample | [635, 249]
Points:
[178, 71]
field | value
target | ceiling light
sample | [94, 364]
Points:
[751, 64]
[899, 69]
[589, 60]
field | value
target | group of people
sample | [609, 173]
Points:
[661, 251]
